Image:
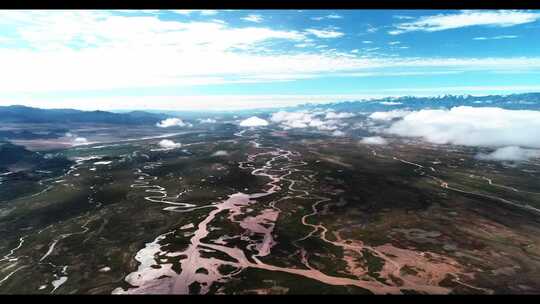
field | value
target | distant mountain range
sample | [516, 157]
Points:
[23, 114]
[526, 101]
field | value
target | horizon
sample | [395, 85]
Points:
[240, 59]
[322, 103]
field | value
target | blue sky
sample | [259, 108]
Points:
[226, 59]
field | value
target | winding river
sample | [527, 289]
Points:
[200, 270]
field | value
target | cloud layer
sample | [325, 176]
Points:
[441, 22]
[329, 33]
[60, 51]
[388, 116]
[470, 126]
[67, 58]
[511, 153]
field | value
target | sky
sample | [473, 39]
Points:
[238, 59]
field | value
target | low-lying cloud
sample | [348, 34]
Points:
[469, 126]
[172, 122]
[390, 103]
[220, 153]
[511, 153]
[169, 144]
[80, 140]
[373, 140]
[334, 115]
[338, 133]
[254, 121]
[292, 119]
[388, 116]
[322, 120]
[207, 121]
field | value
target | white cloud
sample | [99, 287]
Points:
[169, 144]
[69, 51]
[367, 41]
[331, 16]
[496, 37]
[403, 17]
[470, 126]
[95, 42]
[440, 22]
[110, 68]
[187, 12]
[301, 119]
[388, 116]
[220, 153]
[282, 116]
[334, 16]
[172, 122]
[371, 29]
[325, 125]
[408, 73]
[334, 115]
[394, 42]
[218, 21]
[437, 91]
[371, 49]
[183, 11]
[80, 140]
[254, 121]
[304, 45]
[305, 119]
[338, 133]
[253, 18]
[390, 103]
[209, 12]
[4, 39]
[373, 140]
[325, 33]
[207, 121]
[510, 153]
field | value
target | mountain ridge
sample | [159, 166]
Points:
[25, 114]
